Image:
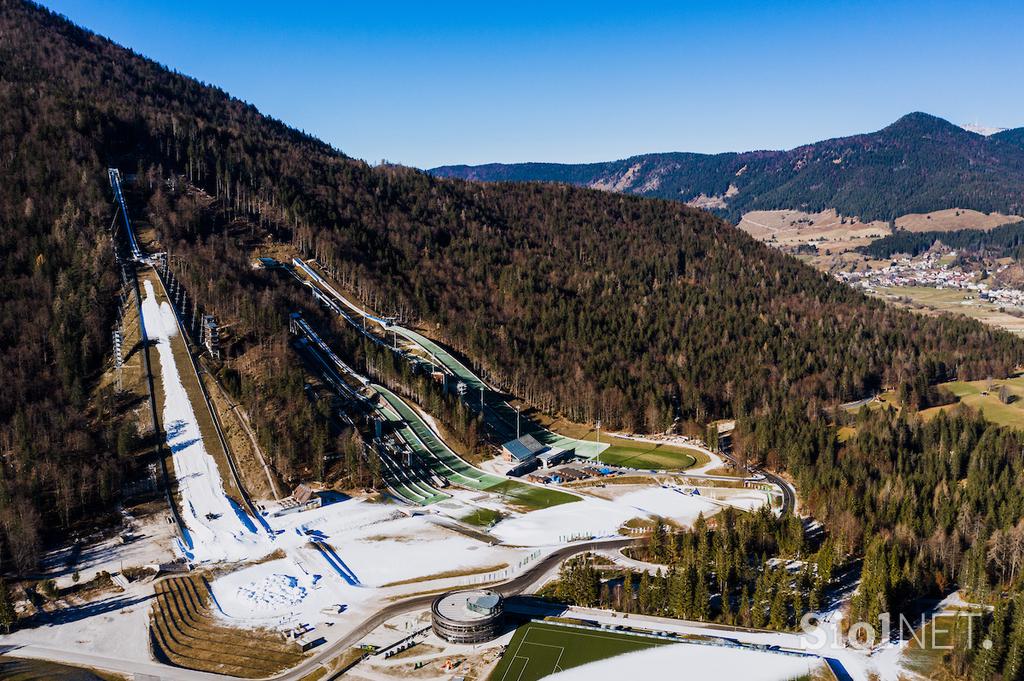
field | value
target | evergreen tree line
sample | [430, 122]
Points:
[1006, 241]
[718, 571]
[1003, 656]
[931, 505]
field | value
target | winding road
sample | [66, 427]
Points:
[157, 671]
[788, 491]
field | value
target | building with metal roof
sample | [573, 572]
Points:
[552, 456]
[522, 449]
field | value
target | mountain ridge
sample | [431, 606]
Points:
[917, 164]
[556, 293]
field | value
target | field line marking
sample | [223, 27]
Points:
[547, 645]
[606, 637]
[516, 655]
[561, 652]
[560, 649]
[532, 626]
[523, 670]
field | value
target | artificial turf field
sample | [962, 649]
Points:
[537, 650]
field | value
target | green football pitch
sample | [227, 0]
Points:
[537, 650]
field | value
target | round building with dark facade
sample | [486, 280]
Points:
[471, 616]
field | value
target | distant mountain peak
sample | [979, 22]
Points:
[984, 130]
[918, 164]
[920, 122]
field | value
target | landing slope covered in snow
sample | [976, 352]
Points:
[217, 529]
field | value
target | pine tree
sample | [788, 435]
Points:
[723, 559]
[728, 614]
[759, 602]
[1013, 668]
[677, 592]
[778, 617]
[656, 546]
[702, 598]
[627, 592]
[990, 660]
[8, 617]
[658, 593]
[798, 606]
[745, 618]
[644, 595]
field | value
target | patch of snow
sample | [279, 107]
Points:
[887, 661]
[699, 661]
[587, 518]
[410, 548]
[343, 555]
[672, 503]
[283, 593]
[986, 130]
[116, 626]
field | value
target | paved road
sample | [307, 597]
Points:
[857, 404]
[513, 587]
[788, 491]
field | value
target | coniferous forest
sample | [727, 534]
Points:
[634, 311]
[918, 164]
[1005, 241]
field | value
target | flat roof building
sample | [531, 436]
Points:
[552, 456]
[522, 449]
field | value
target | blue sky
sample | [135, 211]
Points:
[434, 83]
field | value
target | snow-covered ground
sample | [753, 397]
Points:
[116, 626]
[672, 503]
[152, 539]
[284, 593]
[743, 499]
[603, 517]
[415, 547]
[694, 661]
[589, 517]
[217, 529]
[343, 555]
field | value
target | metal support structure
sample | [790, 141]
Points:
[118, 355]
[211, 336]
[115, 183]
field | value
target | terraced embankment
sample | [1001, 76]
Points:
[184, 632]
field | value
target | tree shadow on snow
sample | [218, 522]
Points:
[81, 612]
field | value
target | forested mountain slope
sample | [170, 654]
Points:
[918, 164]
[1013, 136]
[595, 304]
